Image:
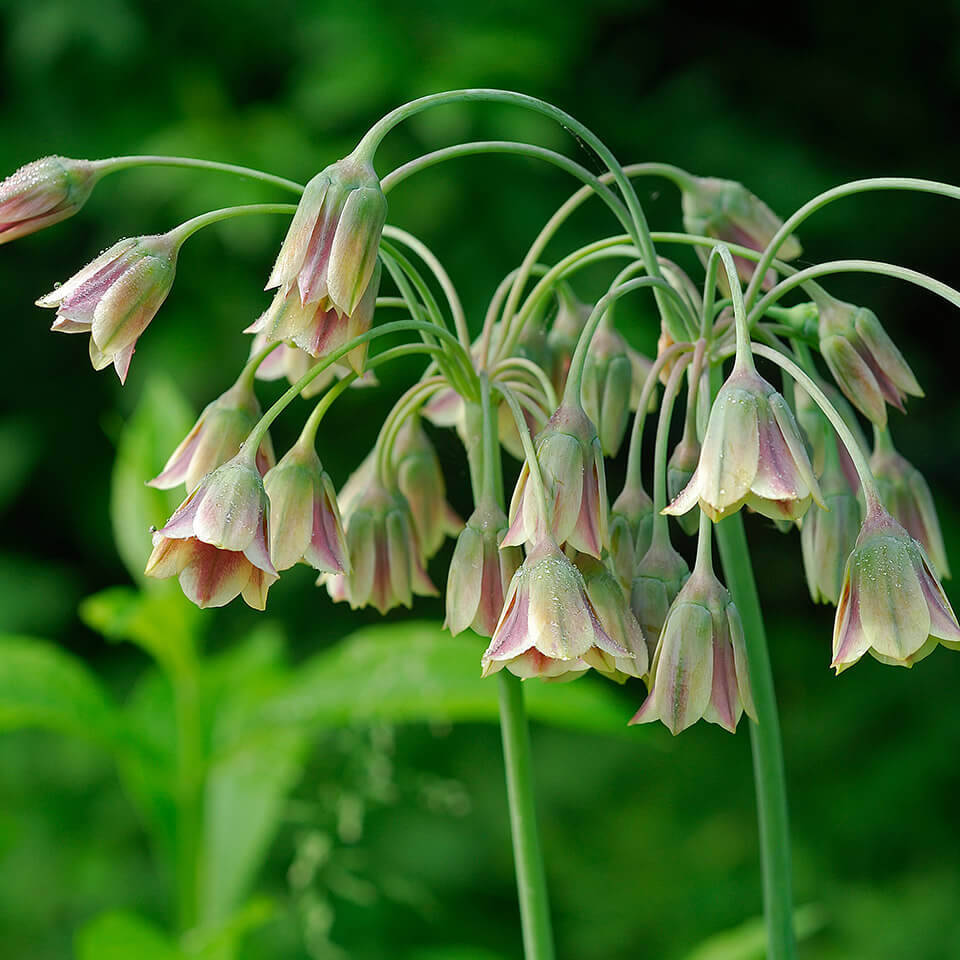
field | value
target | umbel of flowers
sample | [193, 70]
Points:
[560, 581]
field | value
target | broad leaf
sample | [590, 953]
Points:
[161, 420]
[43, 686]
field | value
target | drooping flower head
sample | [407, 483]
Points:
[216, 540]
[700, 665]
[116, 296]
[891, 604]
[480, 572]
[906, 495]
[728, 211]
[43, 193]
[305, 519]
[319, 328]
[215, 438]
[330, 250]
[386, 558]
[548, 627]
[863, 359]
[752, 454]
[571, 464]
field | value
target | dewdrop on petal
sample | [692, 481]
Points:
[891, 604]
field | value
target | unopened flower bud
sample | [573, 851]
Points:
[905, 494]
[680, 468]
[728, 211]
[617, 619]
[43, 193]
[319, 329]
[420, 480]
[386, 558]
[548, 627]
[821, 437]
[700, 666]
[891, 604]
[116, 296]
[565, 330]
[863, 359]
[631, 531]
[657, 580]
[752, 454]
[305, 520]
[330, 250]
[216, 541]
[607, 385]
[215, 438]
[480, 572]
[571, 464]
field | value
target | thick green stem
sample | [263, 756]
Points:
[769, 779]
[531, 881]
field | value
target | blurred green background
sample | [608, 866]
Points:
[390, 839]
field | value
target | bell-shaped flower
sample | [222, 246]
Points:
[215, 438]
[891, 604]
[905, 494]
[607, 387]
[657, 580]
[216, 541]
[616, 618]
[387, 568]
[631, 530]
[700, 666]
[480, 572]
[571, 465]
[752, 454]
[863, 359]
[548, 627]
[330, 251]
[828, 536]
[318, 328]
[43, 193]
[728, 211]
[116, 296]
[420, 480]
[305, 522]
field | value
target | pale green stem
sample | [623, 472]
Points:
[857, 455]
[407, 406]
[661, 532]
[189, 227]
[112, 164]
[704, 560]
[491, 474]
[855, 266]
[528, 366]
[820, 201]
[443, 278]
[744, 361]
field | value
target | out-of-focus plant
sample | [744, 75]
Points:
[557, 580]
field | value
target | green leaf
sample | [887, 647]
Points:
[161, 420]
[749, 940]
[43, 686]
[161, 621]
[123, 936]
[415, 671]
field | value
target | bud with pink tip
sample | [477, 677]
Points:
[863, 359]
[387, 565]
[116, 296]
[305, 522]
[906, 495]
[43, 193]
[571, 464]
[548, 627]
[215, 438]
[216, 541]
[480, 572]
[616, 618]
[318, 328]
[700, 667]
[728, 211]
[330, 251]
[752, 454]
[892, 604]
